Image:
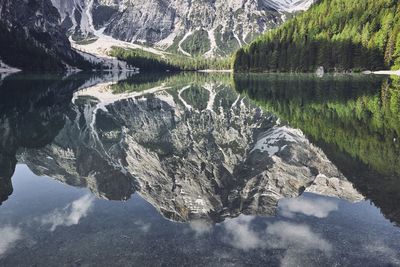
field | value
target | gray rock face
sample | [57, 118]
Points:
[194, 152]
[29, 121]
[32, 38]
[7, 167]
[212, 27]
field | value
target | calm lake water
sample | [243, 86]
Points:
[199, 170]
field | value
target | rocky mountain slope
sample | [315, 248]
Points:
[32, 39]
[212, 27]
[30, 121]
[36, 30]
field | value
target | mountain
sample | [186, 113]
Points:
[338, 35]
[210, 27]
[288, 5]
[32, 39]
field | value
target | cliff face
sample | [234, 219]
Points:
[189, 27]
[198, 151]
[36, 30]
[31, 115]
[32, 38]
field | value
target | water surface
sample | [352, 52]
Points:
[199, 169]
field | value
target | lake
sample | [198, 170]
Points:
[195, 169]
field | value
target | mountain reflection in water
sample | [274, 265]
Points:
[354, 119]
[219, 153]
[190, 145]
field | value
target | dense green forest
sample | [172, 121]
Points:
[137, 83]
[197, 44]
[147, 61]
[30, 54]
[340, 35]
[356, 114]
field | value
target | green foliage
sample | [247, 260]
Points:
[174, 47]
[197, 96]
[147, 61]
[226, 41]
[138, 83]
[339, 35]
[86, 41]
[197, 44]
[359, 115]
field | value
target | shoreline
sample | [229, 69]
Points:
[215, 71]
[383, 72]
[10, 70]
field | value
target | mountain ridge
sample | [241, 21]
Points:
[209, 28]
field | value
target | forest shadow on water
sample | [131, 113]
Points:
[355, 119]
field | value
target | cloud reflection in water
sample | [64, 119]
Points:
[316, 207]
[70, 215]
[8, 237]
[297, 240]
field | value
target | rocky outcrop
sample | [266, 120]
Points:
[32, 38]
[36, 30]
[31, 115]
[189, 27]
[7, 167]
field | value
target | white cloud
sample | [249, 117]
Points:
[240, 234]
[287, 234]
[320, 208]
[298, 240]
[200, 227]
[144, 227]
[70, 215]
[8, 237]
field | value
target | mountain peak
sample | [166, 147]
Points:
[191, 28]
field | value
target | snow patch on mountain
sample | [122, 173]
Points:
[290, 6]
[168, 24]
